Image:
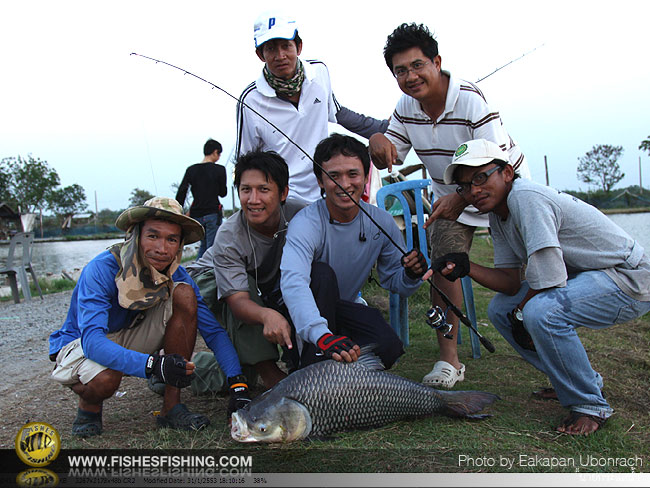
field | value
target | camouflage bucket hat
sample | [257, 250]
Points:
[164, 208]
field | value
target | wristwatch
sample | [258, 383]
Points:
[518, 314]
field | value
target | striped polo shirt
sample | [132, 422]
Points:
[466, 116]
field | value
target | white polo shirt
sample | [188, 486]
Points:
[466, 116]
[306, 125]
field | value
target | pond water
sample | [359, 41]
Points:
[54, 257]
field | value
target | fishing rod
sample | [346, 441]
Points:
[450, 305]
[509, 63]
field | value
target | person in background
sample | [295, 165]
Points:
[207, 182]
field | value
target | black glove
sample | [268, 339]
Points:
[519, 332]
[239, 397]
[461, 261]
[423, 264]
[330, 344]
[170, 368]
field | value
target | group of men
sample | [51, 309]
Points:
[283, 274]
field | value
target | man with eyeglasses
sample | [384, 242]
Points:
[436, 113]
[296, 96]
[581, 270]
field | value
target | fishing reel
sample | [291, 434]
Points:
[437, 319]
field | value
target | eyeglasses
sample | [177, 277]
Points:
[478, 179]
[416, 67]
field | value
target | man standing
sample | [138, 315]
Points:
[434, 116]
[330, 251]
[131, 301]
[582, 270]
[239, 275]
[207, 181]
[297, 97]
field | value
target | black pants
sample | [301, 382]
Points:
[362, 324]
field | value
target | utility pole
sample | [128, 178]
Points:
[640, 180]
[546, 169]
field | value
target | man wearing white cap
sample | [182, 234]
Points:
[582, 270]
[297, 97]
[436, 113]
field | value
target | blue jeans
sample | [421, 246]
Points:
[590, 299]
[210, 223]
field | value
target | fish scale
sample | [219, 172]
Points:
[331, 396]
[359, 397]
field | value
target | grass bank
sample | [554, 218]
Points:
[520, 437]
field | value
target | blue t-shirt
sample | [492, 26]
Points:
[95, 311]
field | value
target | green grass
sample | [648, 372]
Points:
[520, 425]
[47, 286]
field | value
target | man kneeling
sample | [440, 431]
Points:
[131, 301]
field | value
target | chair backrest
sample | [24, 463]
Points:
[397, 190]
[24, 240]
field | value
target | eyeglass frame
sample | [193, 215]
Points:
[464, 188]
[415, 69]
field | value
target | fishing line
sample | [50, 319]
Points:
[488, 345]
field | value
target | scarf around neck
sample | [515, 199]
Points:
[139, 285]
[289, 87]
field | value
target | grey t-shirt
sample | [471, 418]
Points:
[239, 250]
[556, 234]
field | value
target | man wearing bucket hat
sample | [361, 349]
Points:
[581, 270]
[297, 97]
[130, 302]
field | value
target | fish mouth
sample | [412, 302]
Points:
[239, 429]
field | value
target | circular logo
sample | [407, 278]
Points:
[461, 150]
[37, 444]
[37, 477]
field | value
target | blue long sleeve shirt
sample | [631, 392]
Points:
[95, 311]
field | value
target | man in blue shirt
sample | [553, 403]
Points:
[130, 302]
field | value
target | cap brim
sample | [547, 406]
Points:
[277, 33]
[448, 175]
[192, 230]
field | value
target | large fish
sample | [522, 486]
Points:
[331, 396]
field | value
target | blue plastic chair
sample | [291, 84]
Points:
[399, 305]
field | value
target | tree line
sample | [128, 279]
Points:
[30, 184]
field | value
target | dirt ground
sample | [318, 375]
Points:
[28, 395]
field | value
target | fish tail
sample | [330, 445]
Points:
[467, 403]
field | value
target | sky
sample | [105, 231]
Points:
[72, 94]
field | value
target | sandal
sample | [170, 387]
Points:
[573, 418]
[87, 424]
[179, 417]
[444, 375]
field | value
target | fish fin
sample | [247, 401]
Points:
[368, 359]
[467, 403]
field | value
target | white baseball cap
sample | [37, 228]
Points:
[274, 24]
[474, 153]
